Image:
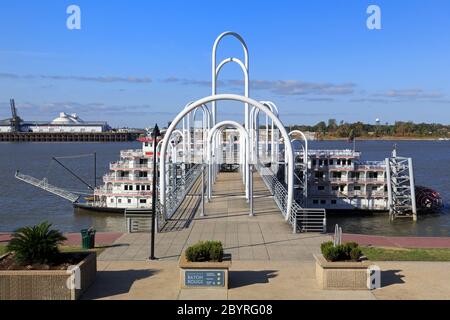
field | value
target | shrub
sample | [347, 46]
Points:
[205, 251]
[355, 254]
[38, 244]
[342, 252]
[332, 253]
[325, 245]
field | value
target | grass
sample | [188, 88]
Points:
[402, 254]
[2, 249]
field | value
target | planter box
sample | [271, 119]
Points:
[342, 275]
[210, 275]
[48, 284]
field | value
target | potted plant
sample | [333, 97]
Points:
[340, 266]
[35, 269]
[204, 265]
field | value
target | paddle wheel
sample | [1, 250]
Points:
[428, 200]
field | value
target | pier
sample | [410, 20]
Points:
[68, 136]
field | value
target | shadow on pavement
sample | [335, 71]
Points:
[247, 278]
[113, 283]
[390, 277]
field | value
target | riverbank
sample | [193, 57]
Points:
[383, 138]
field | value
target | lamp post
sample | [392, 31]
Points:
[155, 135]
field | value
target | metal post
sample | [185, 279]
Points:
[413, 191]
[251, 190]
[95, 169]
[155, 135]
[202, 213]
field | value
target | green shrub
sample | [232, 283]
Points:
[355, 254]
[332, 253]
[38, 244]
[342, 252]
[205, 251]
[325, 245]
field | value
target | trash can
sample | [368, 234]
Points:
[88, 238]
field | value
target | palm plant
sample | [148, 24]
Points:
[38, 244]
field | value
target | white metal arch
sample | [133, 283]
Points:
[231, 97]
[305, 155]
[215, 70]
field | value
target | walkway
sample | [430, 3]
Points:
[266, 236]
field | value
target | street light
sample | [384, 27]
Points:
[155, 134]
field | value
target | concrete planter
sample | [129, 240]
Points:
[209, 275]
[48, 284]
[342, 275]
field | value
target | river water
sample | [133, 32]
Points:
[22, 204]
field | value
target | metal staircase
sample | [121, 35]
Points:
[44, 185]
[401, 190]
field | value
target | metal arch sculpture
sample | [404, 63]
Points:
[215, 70]
[231, 97]
[305, 155]
[272, 106]
[305, 159]
[215, 133]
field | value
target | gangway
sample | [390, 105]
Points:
[44, 185]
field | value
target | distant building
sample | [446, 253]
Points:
[65, 123]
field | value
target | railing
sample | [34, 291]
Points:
[176, 196]
[114, 178]
[44, 185]
[125, 165]
[299, 218]
[131, 153]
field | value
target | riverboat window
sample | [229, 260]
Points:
[331, 162]
[319, 174]
[112, 200]
[320, 162]
[357, 188]
[148, 187]
[349, 162]
[335, 188]
[338, 162]
[314, 162]
[342, 188]
[337, 175]
[373, 175]
[315, 201]
[333, 201]
[119, 201]
[138, 188]
[130, 188]
[323, 201]
[320, 188]
[125, 187]
[129, 200]
[143, 201]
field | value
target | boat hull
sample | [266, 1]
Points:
[90, 208]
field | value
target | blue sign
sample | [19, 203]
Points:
[204, 278]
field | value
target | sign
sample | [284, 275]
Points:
[212, 278]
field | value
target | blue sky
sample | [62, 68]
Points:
[135, 63]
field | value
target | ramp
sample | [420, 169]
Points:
[44, 185]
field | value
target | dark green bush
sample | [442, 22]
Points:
[205, 251]
[355, 254]
[325, 245]
[342, 252]
[38, 244]
[332, 253]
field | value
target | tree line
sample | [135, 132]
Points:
[359, 129]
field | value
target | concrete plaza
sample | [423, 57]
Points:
[269, 261]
